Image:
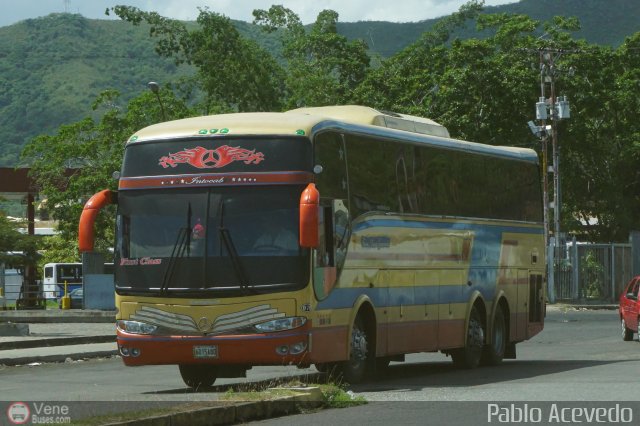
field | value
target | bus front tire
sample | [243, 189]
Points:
[198, 375]
[360, 354]
[494, 351]
[469, 357]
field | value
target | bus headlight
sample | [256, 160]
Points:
[281, 324]
[136, 327]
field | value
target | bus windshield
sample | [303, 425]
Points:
[209, 240]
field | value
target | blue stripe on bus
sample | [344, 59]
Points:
[482, 271]
[395, 296]
[466, 226]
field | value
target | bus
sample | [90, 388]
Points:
[406, 241]
[61, 277]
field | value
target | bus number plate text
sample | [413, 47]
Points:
[200, 352]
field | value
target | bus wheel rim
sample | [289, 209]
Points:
[358, 345]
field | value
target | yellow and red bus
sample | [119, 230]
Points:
[405, 241]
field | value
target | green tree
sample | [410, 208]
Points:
[484, 90]
[323, 67]
[234, 73]
[601, 142]
[79, 160]
[481, 89]
[410, 80]
[12, 240]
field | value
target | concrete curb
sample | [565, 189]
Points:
[56, 357]
[559, 306]
[233, 413]
[11, 329]
[56, 341]
[58, 316]
[596, 307]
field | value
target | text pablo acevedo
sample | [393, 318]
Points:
[556, 413]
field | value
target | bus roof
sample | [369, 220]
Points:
[306, 121]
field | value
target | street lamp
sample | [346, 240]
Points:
[155, 88]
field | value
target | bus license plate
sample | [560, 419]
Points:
[205, 352]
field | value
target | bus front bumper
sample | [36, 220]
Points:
[281, 348]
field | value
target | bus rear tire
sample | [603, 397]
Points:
[495, 350]
[198, 375]
[469, 357]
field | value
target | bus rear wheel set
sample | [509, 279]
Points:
[469, 356]
[495, 350]
[475, 351]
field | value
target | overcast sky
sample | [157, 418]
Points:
[349, 10]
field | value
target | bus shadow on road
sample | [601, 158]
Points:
[413, 376]
[250, 386]
[445, 374]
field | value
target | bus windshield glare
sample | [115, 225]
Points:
[220, 240]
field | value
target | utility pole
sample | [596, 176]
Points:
[555, 109]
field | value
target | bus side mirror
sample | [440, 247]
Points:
[309, 204]
[91, 209]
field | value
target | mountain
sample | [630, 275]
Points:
[605, 22]
[53, 68]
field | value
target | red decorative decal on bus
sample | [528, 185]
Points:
[203, 158]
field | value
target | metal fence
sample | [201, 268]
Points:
[592, 272]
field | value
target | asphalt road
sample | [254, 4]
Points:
[578, 366]
[580, 356]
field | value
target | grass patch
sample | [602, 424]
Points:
[330, 395]
[337, 397]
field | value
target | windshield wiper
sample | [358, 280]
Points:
[182, 245]
[233, 253]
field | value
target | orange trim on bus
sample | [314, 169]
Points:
[91, 209]
[309, 204]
